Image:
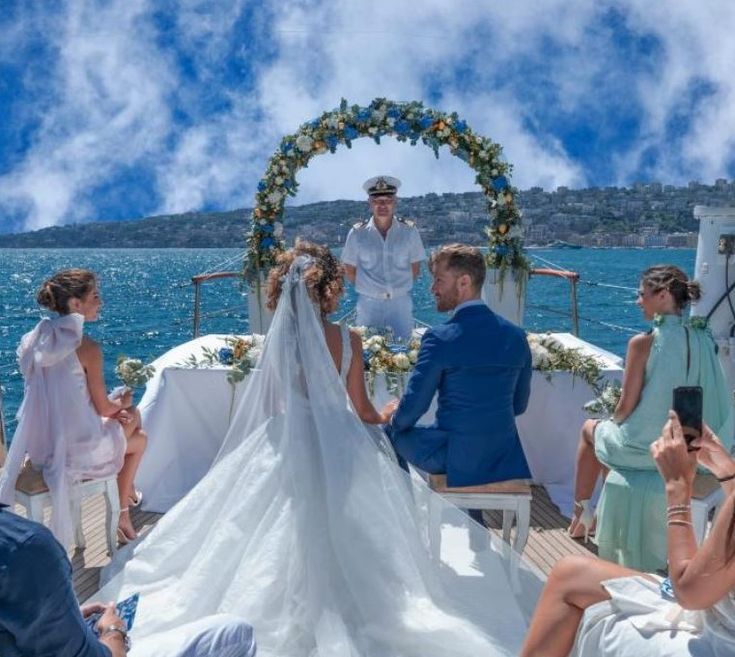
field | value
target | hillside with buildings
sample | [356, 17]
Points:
[645, 215]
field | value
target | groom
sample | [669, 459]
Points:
[480, 364]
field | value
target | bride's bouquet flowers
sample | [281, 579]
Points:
[133, 372]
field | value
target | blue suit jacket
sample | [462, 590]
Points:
[480, 364]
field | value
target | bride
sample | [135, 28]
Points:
[306, 528]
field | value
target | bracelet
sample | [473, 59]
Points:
[728, 478]
[677, 512]
[119, 629]
[684, 523]
[679, 508]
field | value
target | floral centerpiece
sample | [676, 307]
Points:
[238, 354]
[606, 402]
[408, 122]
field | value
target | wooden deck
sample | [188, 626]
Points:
[547, 541]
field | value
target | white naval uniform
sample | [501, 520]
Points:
[384, 275]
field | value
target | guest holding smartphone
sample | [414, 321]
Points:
[590, 607]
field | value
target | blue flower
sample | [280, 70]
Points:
[393, 112]
[501, 250]
[266, 228]
[315, 123]
[364, 115]
[288, 184]
[286, 147]
[460, 126]
[500, 183]
[402, 127]
[262, 186]
[366, 359]
[350, 132]
[266, 242]
[226, 356]
[426, 121]
[331, 141]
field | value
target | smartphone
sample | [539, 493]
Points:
[688, 406]
[125, 610]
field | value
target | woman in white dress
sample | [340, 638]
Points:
[305, 526]
[591, 607]
[67, 426]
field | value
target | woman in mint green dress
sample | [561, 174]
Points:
[631, 522]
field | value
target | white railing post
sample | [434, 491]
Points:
[259, 316]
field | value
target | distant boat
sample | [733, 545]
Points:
[559, 244]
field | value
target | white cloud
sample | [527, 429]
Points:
[117, 84]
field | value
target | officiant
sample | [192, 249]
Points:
[382, 257]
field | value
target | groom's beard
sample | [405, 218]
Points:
[448, 301]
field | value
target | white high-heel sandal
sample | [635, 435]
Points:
[584, 520]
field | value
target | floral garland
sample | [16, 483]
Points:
[383, 356]
[407, 121]
[240, 355]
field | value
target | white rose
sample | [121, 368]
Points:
[278, 229]
[332, 122]
[401, 361]
[304, 143]
[274, 198]
[413, 355]
[279, 180]
[372, 130]
[540, 357]
[391, 121]
[378, 116]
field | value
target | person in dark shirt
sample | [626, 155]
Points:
[39, 613]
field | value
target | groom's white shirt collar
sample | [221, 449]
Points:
[467, 304]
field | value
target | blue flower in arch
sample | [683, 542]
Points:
[266, 228]
[460, 126]
[226, 356]
[332, 142]
[262, 186]
[501, 250]
[500, 183]
[315, 123]
[286, 147]
[402, 127]
[288, 184]
[393, 113]
[364, 115]
[267, 242]
[350, 132]
[426, 121]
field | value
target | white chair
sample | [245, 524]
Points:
[513, 498]
[707, 496]
[32, 493]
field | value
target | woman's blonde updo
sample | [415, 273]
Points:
[65, 285]
[324, 279]
[673, 279]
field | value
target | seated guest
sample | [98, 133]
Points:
[592, 607]
[672, 354]
[480, 366]
[39, 615]
[67, 425]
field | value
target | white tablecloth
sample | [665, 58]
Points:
[186, 415]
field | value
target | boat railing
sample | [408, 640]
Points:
[3, 435]
[572, 277]
[197, 281]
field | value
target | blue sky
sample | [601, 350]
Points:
[118, 109]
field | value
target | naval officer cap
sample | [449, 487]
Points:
[382, 186]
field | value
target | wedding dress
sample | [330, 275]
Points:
[58, 426]
[307, 529]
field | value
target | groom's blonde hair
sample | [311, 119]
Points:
[461, 259]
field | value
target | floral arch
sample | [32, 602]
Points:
[406, 121]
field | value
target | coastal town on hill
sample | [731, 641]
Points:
[646, 215]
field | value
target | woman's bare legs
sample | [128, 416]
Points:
[587, 472]
[574, 584]
[136, 442]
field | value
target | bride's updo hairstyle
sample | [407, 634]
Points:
[673, 279]
[63, 286]
[324, 278]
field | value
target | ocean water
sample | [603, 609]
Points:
[148, 299]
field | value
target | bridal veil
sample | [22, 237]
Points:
[307, 529]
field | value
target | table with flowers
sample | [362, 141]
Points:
[187, 405]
